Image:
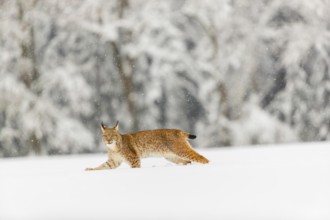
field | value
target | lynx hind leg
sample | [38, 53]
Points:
[177, 160]
[185, 151]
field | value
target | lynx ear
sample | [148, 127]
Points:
[102, 126]
[117, 126]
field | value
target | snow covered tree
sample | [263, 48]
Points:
[300, 40]
[233, 72]
[32, 122]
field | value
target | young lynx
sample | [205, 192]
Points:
[171, 144]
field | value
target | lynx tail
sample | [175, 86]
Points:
[192, 136]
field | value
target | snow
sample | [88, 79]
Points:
[268, 182]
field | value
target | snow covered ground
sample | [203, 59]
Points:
[269, 182]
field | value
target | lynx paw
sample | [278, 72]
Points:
[186, 162]
[89, 169]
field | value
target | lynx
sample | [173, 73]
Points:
[171, 144]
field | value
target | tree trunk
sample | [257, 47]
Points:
[127, 82]
[28, 68]
[124, 68]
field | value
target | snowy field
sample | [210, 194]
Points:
[270, 182]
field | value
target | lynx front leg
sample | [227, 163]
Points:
[103, 166]
[134, 161]
[110, 164]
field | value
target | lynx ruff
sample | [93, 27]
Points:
[171, 144]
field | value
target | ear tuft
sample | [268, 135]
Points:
[117, 126]
[102, 126]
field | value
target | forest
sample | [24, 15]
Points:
[233, 72]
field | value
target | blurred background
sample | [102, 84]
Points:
[234, 72]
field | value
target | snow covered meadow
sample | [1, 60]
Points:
[276, 182]
[233, 72]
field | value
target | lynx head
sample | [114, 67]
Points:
[111, 137]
